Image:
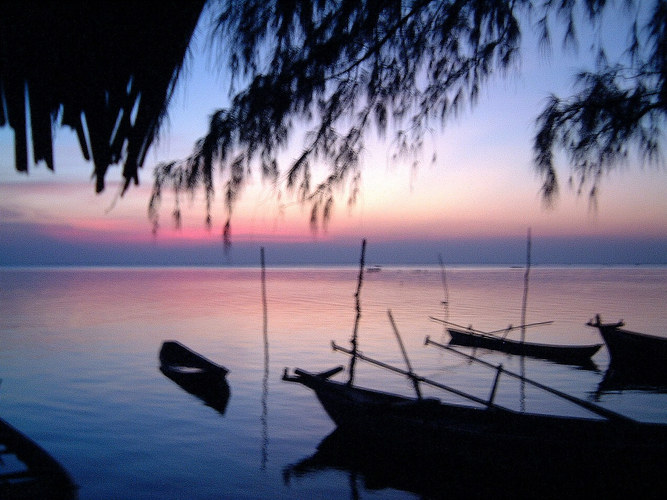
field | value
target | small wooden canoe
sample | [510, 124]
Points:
[574, 354]
[28, 471]
[567, 353]
[195, 374]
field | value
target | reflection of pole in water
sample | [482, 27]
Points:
[522, 399]
[265, 379]
[354, 490]
[443, 277]
[445, 300]
[522, 387]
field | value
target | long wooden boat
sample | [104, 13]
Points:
[195, 374]
[612, 450]
[569, 354]
[28, 471]
[633, 352]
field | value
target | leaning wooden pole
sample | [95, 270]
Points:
[423, 380]
[592, 407]
[411, 373]
[357, 295]
[525, 290]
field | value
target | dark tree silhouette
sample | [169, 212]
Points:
[106, 69]
[341, 67]
[346, 67]
[620, 107]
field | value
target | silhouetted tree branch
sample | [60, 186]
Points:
[105, 69]
[346, 67]
[618, 109]
[343, 67]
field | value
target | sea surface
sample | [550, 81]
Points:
[80, 372]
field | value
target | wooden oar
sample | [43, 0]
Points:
[592, 407]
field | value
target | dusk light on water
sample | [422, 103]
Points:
[81, 372]
[481, 191]
[185, 187]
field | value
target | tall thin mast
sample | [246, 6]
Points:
[525, 290]
[353, 340]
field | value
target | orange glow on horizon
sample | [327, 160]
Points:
[394, 209]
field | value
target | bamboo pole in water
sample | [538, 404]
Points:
[443, 276]
[265, 379]
[264, 308]
[357, 294]
[525, 290]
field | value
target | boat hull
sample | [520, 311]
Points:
[39, 476]
[572, 354]
[597, 450]
[635, 353]
[195, 374]
[175, 354]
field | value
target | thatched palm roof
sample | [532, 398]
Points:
[105, 69]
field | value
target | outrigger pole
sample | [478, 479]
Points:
[411, 374]
[480, 332]
[358, 355]
[592, 407]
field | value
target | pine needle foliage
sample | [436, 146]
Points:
[345, 68]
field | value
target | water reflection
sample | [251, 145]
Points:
[265, 378]
[461, 471]
[367, 462]
[110, 415]
[618, 379]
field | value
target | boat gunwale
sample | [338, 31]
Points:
[170, 360]
[563, 347]
[628, 429]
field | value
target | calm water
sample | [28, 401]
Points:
[78, 359]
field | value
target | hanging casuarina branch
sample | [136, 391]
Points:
[337, 70]
[340, 70]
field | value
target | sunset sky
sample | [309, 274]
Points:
[473, 205]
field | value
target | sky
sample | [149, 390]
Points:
[473, 205]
